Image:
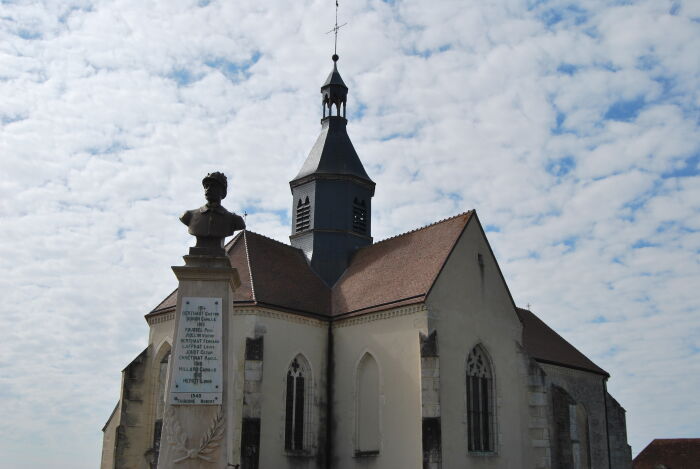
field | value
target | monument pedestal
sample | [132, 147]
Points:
[197, 425]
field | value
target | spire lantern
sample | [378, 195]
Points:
[334, 93]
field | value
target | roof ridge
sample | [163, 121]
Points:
[228, 246]
[250, 267]
[468, 212]
[271, 239]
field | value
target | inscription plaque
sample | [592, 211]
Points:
[197, 366]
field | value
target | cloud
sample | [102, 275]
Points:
[571, 127]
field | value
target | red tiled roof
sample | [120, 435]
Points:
[395, 272]
[401, 268]
[678, 453]
[543, 344]
[272, 274]
[281, 276]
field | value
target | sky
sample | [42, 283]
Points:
[572, 127]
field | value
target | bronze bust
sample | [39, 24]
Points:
[211, 222]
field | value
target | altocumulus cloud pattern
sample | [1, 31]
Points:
[571, 126]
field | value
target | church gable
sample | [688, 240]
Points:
[471, 277]
[397, 271]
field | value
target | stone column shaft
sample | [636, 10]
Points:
[195, 427]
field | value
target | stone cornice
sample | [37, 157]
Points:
[284, 316]
[379, 315]
[251, 310]
[159, 318]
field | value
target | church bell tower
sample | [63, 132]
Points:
[332, 194]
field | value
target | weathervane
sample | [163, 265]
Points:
[335, 30]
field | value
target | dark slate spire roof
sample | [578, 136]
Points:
[333, 152]
[334, 77]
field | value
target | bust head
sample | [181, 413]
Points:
[215, 186]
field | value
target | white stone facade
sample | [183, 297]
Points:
[375, 392]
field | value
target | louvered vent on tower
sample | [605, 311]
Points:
[359, 216]
[303, 215]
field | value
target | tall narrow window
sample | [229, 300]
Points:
[570, 436]
[479, 402]
[303, 221]
[367, 406]
[298, 406]
[578, 428]
[359, 216]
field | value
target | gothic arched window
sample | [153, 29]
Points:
[578, 429]
[479, 401]
[367, 436]
[297, 421]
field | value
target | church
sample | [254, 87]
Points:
[404, 353]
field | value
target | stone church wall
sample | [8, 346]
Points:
[285, 336]
[587, 389]
[540, 416]
[131, 437]
[109, 435]
[620, 451]
[392, 339]
[469, 306]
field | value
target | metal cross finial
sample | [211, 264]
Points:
[335, 30]
[528, 306]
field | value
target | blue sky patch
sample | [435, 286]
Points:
[571, 13]
[689, 168]
[665, 226]
[560, 167]
[558, 128]
[182, 76]
[5, 119]
[425, 53]
[533, 255]
[647, 62]
[625, 110]
[599, 320]
[357, 111]
[234, 71]
[642, 243]
[570, 243]
[492, 229]
[29, 35]
[567, 69]
[406, 135]
[64, 16]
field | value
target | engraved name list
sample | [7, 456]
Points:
[197, 366]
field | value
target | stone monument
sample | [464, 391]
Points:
[198, 424]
